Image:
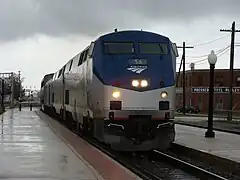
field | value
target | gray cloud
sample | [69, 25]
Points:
[21, 19]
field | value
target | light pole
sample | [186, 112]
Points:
[212, 59]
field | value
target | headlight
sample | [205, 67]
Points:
[116, 94]
[164, 94]
[135, 83]
[144, 83]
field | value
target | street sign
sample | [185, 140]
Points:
[216, 90]
[179, 90]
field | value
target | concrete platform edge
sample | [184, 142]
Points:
[204, 115]
[96, 174]
[220, 162]
[202, 127]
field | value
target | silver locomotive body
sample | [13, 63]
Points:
[130, 112]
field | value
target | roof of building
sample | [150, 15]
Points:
[207, 70]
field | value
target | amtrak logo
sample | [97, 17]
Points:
[137, 65]
[137, 69]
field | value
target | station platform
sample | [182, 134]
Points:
[34, 146]
[225, 145]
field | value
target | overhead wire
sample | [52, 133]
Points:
[201, 60]
[219, 55]
[206, 55]
[224, 50]
[217, 52]
[211, 41]
[237, 44]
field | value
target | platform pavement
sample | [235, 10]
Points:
[108, 168]
[29, 149]
[225, 145]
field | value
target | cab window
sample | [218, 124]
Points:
[118, 47]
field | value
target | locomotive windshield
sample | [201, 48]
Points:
[118, 48]
[153, 48]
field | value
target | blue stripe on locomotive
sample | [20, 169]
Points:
[112, 69]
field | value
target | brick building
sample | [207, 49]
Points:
[197, 83]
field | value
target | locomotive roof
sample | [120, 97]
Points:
[47, 75]
[130, 32]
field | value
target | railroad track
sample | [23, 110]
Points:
[211, 163]
[187, 167]
[117, 157]
[154, 165]
[148, 169]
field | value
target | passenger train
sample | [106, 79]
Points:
[120, 90]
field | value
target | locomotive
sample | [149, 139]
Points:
[120, 90]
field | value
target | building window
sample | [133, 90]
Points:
[49, 95]
[70, 67]
[219, 80]
[199, 104]
[52, 97]
[67, 97]
[200, 81]
[190, 81]
[181, 100]
[238, 81]
[178, 81]
[218, 103]
[177, 100]
[186, 82]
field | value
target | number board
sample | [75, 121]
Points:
[137, 62]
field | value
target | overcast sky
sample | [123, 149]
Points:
[39, 36]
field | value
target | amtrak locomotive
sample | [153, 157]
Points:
[119, 90]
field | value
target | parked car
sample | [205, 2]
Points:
[189, 109]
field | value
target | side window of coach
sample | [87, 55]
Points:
[81, 59]
[85, 55]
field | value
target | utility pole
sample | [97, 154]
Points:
[179, 71]
[233, 31]
[183, 76]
